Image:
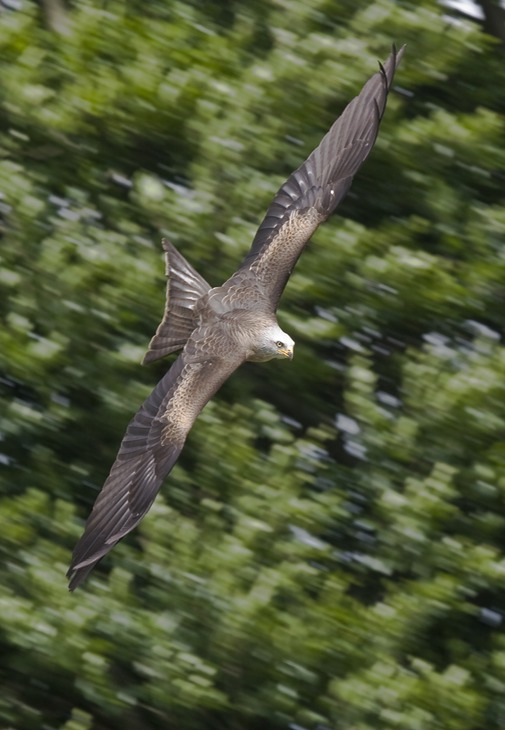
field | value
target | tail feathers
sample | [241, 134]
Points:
[185, 287]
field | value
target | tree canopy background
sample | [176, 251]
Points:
[329, 552]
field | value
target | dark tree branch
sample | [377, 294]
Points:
[56, 16]
[494, 18]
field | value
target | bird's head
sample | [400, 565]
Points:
[273, 343]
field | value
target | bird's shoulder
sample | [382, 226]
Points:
[229, 321]
[241, 292]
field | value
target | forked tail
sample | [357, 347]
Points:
[185, 287]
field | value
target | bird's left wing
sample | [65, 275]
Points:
[148, 451]
[313, 191]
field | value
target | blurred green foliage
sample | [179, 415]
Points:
[329, 551]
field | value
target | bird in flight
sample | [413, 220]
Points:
[220, 328]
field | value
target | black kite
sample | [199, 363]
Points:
[219, 329]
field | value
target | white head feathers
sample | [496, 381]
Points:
[273, 343]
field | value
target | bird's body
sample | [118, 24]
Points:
[219, 329]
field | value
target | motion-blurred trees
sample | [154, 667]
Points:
[329, 551]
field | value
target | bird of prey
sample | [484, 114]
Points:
[220, 328]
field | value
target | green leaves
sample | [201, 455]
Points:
[329, 550]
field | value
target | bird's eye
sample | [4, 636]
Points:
[279, 344]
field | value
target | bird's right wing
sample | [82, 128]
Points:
[148, 451]
[314, 190]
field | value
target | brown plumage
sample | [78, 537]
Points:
[219, 329]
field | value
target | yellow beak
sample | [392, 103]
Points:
[287, 352]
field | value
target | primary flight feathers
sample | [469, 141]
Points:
[219, 329]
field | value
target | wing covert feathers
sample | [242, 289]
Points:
[149, 449]
[185, 286]
[133, 482]
[314, 190]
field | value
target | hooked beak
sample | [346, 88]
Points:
[287, 352]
